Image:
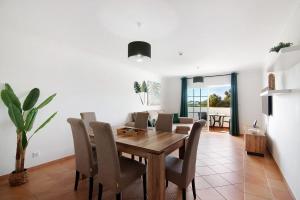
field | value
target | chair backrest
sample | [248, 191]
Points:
[141, 120]
[108, 160]
[82, 147]
[190, 156]
[88, 117]
[164, 122]
[202, 115]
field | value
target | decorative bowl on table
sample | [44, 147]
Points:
[128, 131]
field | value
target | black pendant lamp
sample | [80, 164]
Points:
[139, 51]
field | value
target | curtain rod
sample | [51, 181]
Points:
[212, 76]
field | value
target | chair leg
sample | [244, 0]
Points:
[77, 176]
[194, 188]
[145, 186]
[100, 189]
[119, 196]
[91, 185]
[145, 161]
[132, 156]
[140, 159]
[167, 183]
[183, 194]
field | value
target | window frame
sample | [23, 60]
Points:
[195, 113]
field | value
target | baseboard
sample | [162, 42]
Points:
[43, 165]
[289, 189]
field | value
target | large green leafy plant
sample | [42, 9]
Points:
[23, 117]
[141, 88]
[280, 46]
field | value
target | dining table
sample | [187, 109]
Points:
[154, 146]
[213, 118]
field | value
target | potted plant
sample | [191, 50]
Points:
[280, 46]
[141, 88]
[23, 117]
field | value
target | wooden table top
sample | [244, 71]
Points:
[152, 141]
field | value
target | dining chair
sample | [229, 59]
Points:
[115, 173]
[226, 119]
[141, 122]
[182, 172]
[218, 119]
[88, 117]
[164, 122]
[86, 162]
[202, 115]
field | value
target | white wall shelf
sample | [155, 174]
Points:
[285, 59]
[275, 92]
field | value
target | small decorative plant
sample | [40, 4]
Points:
[141, 88]
[23, 117]
[280, 46]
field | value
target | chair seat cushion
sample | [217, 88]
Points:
[130, 171]
[174, 170]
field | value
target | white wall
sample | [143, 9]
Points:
[249, 100]
[83, 82]
[249, 87]
[283, 125]
[171, 94]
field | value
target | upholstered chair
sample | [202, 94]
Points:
[86, 163]
[182, 172]
[164, 122]
[88, 117]
[141, 121]
[115, 173]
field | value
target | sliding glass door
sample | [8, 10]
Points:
[197, 102]
[211, 103]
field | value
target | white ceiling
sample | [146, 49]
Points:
[214, 35]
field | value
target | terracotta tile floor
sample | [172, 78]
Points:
[224, 171]
[263, 179]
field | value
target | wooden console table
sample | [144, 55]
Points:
[255, 142]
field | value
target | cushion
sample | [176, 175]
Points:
[151, 123]
[175, 118]
[153, 114]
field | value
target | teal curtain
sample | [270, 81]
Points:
[234, 125]
[184, 106]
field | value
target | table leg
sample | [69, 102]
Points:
[214, 124]
[222, 121]
[211, 121]
[156, 177]
[182, 150]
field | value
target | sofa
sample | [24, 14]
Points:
[183, 126]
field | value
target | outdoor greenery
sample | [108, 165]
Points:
[197, 103]
[214, 101]
[217, 101]
[280, 46]
[23, 117]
